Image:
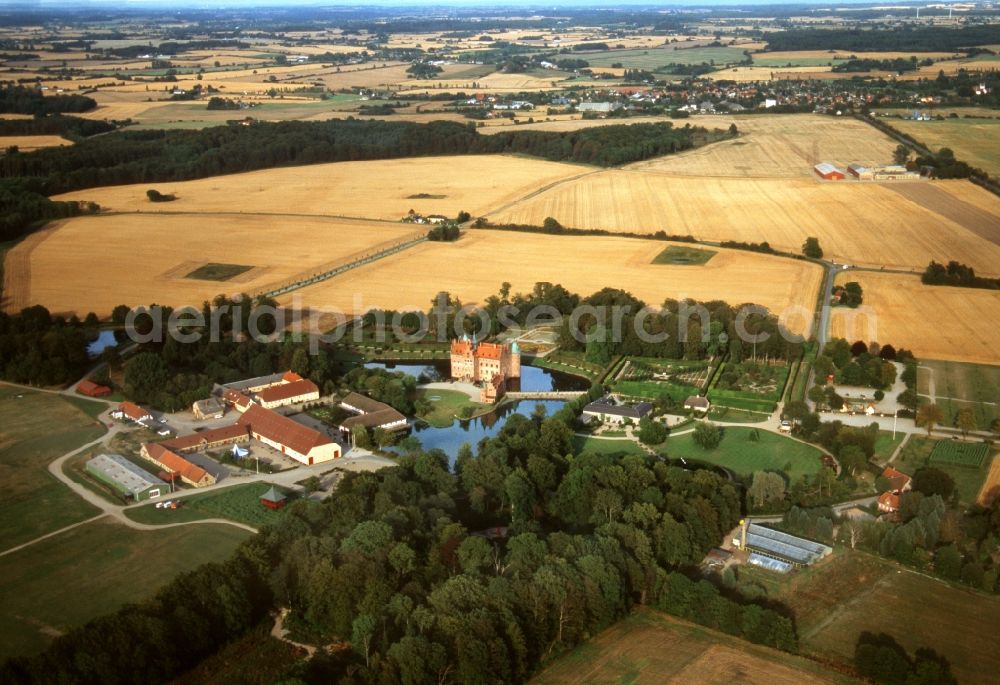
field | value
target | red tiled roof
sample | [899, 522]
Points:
[489, 350]
[133, 411]
[92, 389]
[286, 391]
[889, 500]
[282, 429]
[237, 398]
[897, 479]
[461, 347]
[209, 436]
[290, 377]
[175, 462]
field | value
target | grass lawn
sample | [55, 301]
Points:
[240, 503]
[916, 454]
[741, 455]
[651, 647]
[976, 141]
[599, 446]
[885, 445]
[218, 272]
[449, 405]
[36, 428]
[677, 254]
[838, 598]
[66, 580]
[717, 413]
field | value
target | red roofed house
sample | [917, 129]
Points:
[888, 502]
[285, 435]
[92, 389]
[898, 481]
[134, 412]
[215, 437]
[487, 363]
[171, 462]
[239, 401]
[285, 394]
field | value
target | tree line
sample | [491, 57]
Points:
[921, 39]
[55, 124]
[483, 573]
[957, 274]
[24, 100]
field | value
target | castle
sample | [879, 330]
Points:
[488, 363]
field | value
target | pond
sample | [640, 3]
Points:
[450, 439]
[105, 339]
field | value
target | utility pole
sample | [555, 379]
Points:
[895, 415]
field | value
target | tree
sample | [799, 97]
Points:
[707, 435]
[852, 458]
[966, 421]
[551, 225]
[651, 432]
[145, 376]
[767, 488]
[733, 131]
[928, 416]
[901, 154]
[932, 481]
[811, 248]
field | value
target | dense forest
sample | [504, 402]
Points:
[158, 156]
[56, 124]
[899, 65]
[40, 349]
[481, 574]
[23, 100]
[929, 39]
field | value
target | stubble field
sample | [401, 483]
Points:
[651, 647]
[384, 189]
[474, 267]
[935, 322]
[777, 146]
[95, 263]
[858, 223]
[29, 143]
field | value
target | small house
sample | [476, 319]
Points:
[697, 403]
[91, 389]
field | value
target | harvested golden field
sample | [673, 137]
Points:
[385, 189]
[474, 267]
[936, 322]
[777, 146]
[651, 647]
[496, 82]
[28, 143]
[743, 74]
[94, 263]
[857, 223]
[976, 141]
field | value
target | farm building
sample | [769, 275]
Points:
[129, 480]
[237, 400]
[91, 389]
[860, 172]
[370, 414]
[132, 412]
[696, 403]
[609, 410]
[272, 499]
[208, 409]
[829, 172]
[285, 394]
[251, 385]
[895, 173]
[898, 481]
[171, 462]
[776, 550]
[290, 438]
[208, 439]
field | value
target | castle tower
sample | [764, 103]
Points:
[515, 361]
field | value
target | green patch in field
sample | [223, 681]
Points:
[959, 386]
[449, 406]
[959, 453]
[425, 196]
[66, 580]
[916, 454]
[218, 272]
[740, 453]
[689, 256]
[240, 503]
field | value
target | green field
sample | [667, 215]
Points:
[733, 415]
[885, 446]
[218, 272]
[917, 454]
[655, 58]
[971, 455]
[958, 385]
[743, 456]
[35, 429]
[240, 503]
[676, 254]
[762, 60]
[678, 379]
[449, 405]
[66, 580]
[842, 596]
[652, 648]
[976, 141]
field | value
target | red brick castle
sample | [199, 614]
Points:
[488, 363]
